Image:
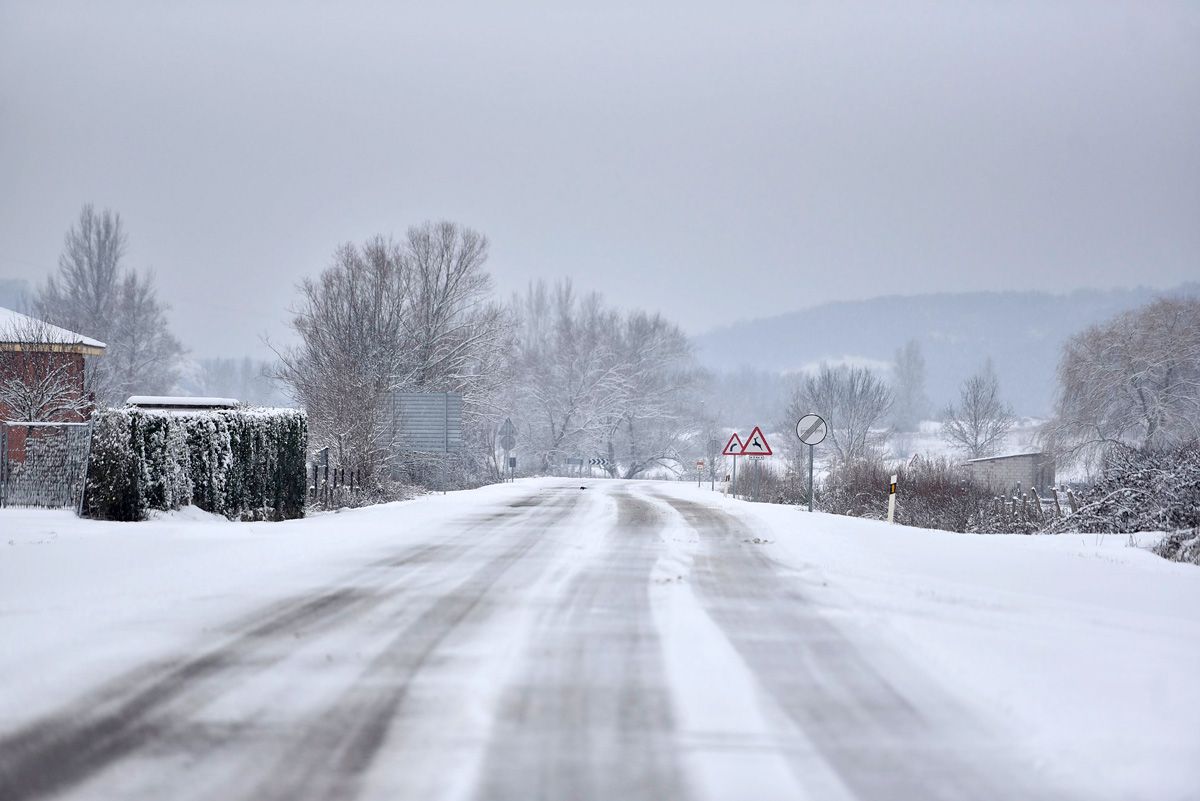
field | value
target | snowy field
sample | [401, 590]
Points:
[485, 644]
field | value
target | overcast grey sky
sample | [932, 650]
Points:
[714, 161]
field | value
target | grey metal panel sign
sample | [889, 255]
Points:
[428, 422]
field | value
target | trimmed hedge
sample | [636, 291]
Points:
[246, 464]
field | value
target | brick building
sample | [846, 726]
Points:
[1001, 474]
[42, 374]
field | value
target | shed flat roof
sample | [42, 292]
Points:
[180, 402]
[1006, 456]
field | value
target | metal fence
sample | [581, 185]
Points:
[44, 464]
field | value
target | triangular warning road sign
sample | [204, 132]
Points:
[756, 444]
[733, 447]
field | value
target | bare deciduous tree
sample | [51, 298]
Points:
[93, 294]
[386, 317]
[981, 420]
[854, 402]
[1134, 380]
[591, 381]
[911, 404]
[657, 408]
[350, 324]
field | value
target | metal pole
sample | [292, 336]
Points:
[735, 475]
[810, 477]
[445, 437]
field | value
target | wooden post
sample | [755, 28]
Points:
[1057, 505]
[1037, 502]
[1072, 502]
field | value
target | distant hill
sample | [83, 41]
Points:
[1023, 332]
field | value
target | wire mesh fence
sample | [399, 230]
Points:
[43, 464]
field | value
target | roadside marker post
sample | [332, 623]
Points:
[811, 429]
[699, 472]
[892, 501]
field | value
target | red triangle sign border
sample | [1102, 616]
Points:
[730, 450]
[765, 447]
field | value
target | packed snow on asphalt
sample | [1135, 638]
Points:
[630, 640]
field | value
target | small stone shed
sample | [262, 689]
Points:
[1001, 474]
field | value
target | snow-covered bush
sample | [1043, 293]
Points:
[1180, 546]
[241, 463]
[1141, 490]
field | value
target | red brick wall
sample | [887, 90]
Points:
[26, 366]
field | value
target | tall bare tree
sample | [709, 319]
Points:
[658, 405]
[350, 324]
[388, 316]
[1133, 380]
[911, 404]
[94, 294]
[854, 402]
[981, 420]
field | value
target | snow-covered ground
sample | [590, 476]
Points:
[758, 643]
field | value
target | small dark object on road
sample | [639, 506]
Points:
[583, 487]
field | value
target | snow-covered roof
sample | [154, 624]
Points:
[1006, 456]
[18, 329]
[180, 402]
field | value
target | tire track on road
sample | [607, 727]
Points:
[333, 757]
[881, 743]
[145, 705]
[590, 717]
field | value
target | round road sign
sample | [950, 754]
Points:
[811, 429]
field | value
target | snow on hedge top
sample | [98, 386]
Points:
[180, 402]
[21, 329]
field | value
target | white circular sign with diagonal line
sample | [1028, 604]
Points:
[812, 429]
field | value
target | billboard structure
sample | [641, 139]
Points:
[427, 422]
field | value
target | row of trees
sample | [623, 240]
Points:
[1133, 381]
[578, 378]
[588, 380]
[863, 409]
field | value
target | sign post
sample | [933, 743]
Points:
[733, 448]
[699, 472]
[508, 441]
[811, 429]
[892, 501]
[756, 447]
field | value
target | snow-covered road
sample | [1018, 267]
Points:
[534, 641]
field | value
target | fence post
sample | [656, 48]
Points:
[1071, 502]
[1057, 505]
